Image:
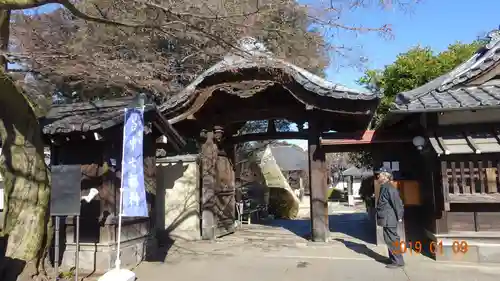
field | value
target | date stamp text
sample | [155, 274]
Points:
[434, 248]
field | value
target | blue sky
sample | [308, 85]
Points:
[433, 23]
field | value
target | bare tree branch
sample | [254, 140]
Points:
[163, 44]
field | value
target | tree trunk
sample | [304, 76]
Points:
[26, 178]
[26, 181]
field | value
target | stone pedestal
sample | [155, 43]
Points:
[100, 257]
[476, 247]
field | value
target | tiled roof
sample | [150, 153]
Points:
[357, 172]
[450, 91]
[254, 56]
[469, 97]
[86, 116]
[290, 158]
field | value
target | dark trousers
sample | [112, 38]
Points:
[391, 238]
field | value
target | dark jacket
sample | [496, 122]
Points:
[367, 190]
[390, 207]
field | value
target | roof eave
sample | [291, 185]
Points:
[442, 109]
[48, 131]
[483, 60]
[254, 56]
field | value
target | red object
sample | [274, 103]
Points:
[366, 137]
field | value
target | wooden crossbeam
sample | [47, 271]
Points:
[471, 143]
[441, 143]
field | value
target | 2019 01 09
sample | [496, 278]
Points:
[434, 247]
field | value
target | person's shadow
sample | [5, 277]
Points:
[363, 249]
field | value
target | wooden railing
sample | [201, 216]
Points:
[473, 181]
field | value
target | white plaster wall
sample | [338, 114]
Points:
[178, 204]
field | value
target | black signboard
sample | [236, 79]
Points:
[65, 193]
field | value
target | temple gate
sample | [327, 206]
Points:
[251, 84]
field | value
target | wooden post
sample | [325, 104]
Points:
[442, 222]
[318, 186]
[225, 185]
[208, 167]
[445, 183]
[491, 178]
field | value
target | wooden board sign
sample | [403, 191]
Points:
[409, 191]
[491, 178]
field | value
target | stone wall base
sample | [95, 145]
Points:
[481, 247]
[99, 258]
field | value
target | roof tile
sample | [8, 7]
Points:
[253, 55]
[449, 91]
[456, 98]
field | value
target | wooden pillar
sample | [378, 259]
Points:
[442, 198]
[150, 176]
[318, 186]
[225, 188]
[208, 168]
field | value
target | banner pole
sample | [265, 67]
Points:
[56, 247]
[131, 180]
[119, 236]
[120, 207]
[77, 252]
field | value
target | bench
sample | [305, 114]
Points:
[246, 209]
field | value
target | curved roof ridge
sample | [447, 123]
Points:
[483, 60]
[253, 54]
[258, 50]
[465, 66]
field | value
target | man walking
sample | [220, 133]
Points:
[390, 212]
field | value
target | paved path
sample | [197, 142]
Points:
[263, 260]
[278, 252]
